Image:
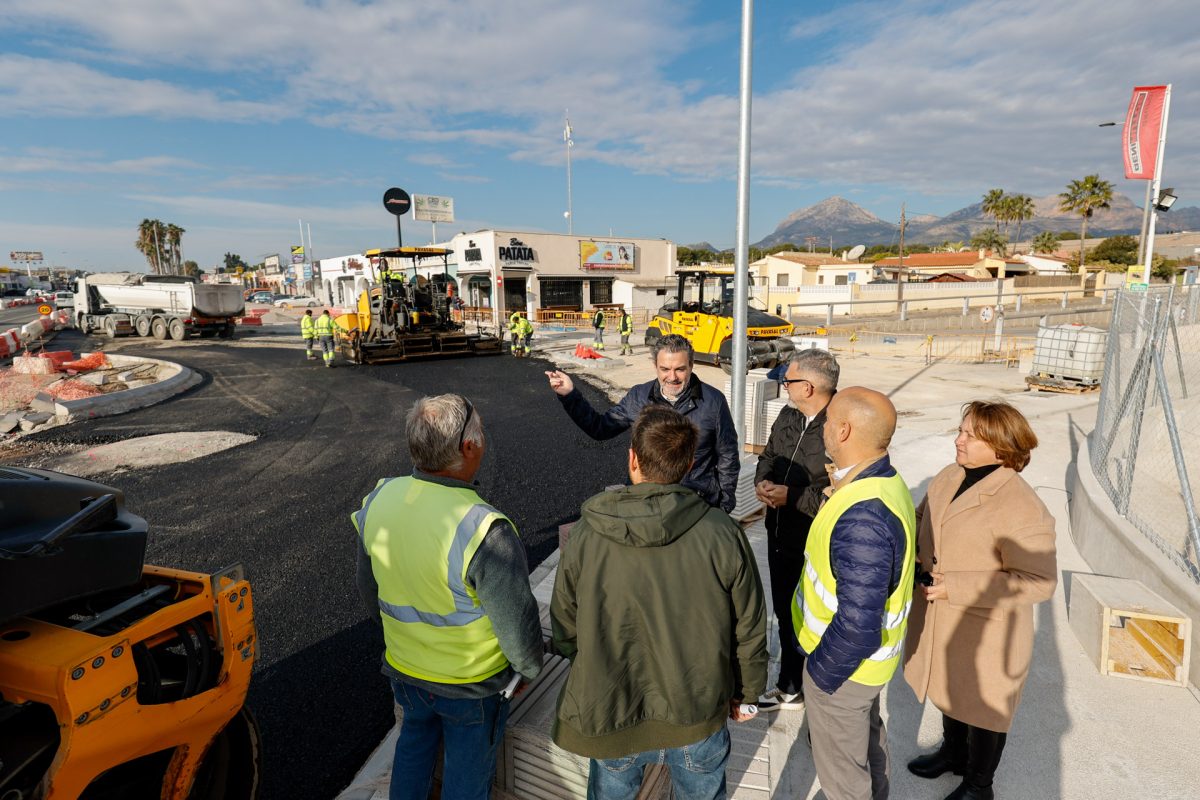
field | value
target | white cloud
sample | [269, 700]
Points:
[39, 160]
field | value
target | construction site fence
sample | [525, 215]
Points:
[958, 348]
[1145, 448]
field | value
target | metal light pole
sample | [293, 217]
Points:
[737, 381]
[569, 145]
[1145, 206]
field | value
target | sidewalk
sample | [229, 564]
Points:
[1076, 734]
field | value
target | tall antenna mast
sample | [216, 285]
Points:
[567, 138]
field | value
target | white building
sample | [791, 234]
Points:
[1047, 264]
[507, 270]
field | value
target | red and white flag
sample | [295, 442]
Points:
[1143, 123]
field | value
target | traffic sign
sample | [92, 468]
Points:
[986, 313]
[396, 201]
[44, 309]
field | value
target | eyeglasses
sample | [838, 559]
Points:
[786, 382]
[466, 421]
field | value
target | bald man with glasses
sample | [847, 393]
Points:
[789, 480]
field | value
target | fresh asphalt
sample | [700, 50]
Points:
[281, 507]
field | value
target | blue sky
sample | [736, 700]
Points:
[236, 118]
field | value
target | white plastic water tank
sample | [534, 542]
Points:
[1070, 351]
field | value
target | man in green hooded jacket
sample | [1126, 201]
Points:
[659, 605]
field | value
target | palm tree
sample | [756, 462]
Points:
[174, 242]
[149, 243]
[1045, 242]
[993, 203]
[1020, 210]
[990, 239]
[1083, 197]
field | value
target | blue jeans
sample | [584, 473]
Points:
[697, 771]
[471, 731]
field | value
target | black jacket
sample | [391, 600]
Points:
[794, 456]
[714, 474]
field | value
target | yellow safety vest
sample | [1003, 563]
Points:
[815, 601]
[421, 537]
[598, 320]
[514, 321]
[524, 327]
[307, 327]
[324, 325]
[626, 324]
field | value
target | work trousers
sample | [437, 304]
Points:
[598, 337]
[785, 569]
[327, 348]
[308, 346]
[849, 741]
[471, 732]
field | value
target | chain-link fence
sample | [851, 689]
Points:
[1145, 449]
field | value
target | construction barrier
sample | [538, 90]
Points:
[10, 343]
[252, 320]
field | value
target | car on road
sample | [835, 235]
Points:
[260, 297]
[64, 299]
[300, 301]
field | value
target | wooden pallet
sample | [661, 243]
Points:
[1040, 384]
[1129, 631]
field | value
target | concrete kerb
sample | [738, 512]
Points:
[179, 379]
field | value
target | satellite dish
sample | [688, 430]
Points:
[855, 252]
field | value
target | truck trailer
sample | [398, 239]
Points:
[122, 303]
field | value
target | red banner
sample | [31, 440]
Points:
[1143, 123]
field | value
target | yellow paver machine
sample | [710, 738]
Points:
[410, 315]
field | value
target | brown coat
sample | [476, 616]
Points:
[970, 654]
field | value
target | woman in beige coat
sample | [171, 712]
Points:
[985, 551]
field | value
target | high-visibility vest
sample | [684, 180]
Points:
[324, 325]
[626, 324]
[421, 537]
[307, 327]
[514, 321]
[598, 320]
[524, 327]
[815, 600]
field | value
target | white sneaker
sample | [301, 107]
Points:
[777, 699]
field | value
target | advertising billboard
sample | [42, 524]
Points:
[431, 208]
[595, 255]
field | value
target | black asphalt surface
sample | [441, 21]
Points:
[281, 506]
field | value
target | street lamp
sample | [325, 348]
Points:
[1145, 206]
[1166, 199]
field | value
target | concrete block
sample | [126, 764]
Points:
[42, 402]
[10, 422]
[32, 419]
[96, 378]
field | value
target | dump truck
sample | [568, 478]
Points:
[409, 315]
[118, 679]
[702, 312]
[175, 306]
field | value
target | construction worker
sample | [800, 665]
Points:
[514, 324]
[445, 575]
[626, 330]
[308, 332]
[523, 334]
[324, 328]
[598, 329]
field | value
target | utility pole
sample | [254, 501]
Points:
[900, 268]
[570, 144]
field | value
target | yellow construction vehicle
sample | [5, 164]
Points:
[408, 315]
[702, 312]
[117, 679]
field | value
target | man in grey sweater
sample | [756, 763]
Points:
[446, 576]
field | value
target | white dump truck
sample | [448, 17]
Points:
[123, 303]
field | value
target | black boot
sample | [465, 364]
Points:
[984, 749]
[951, 755]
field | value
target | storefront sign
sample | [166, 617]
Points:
[431, 208]
[606, 255]
[516, 252]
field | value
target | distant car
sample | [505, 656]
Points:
[64, 299]
[301, 301]
[261, 297]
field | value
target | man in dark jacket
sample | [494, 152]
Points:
[659, 605]
[789, 479]
[715, 472]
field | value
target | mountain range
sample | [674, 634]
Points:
[850, 224]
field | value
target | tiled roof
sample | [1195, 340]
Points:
[933, 260]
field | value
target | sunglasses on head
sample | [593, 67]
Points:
[466, 420]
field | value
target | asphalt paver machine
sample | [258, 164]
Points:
[409, 315]
[117, 679]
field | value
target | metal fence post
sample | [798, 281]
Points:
[966, 306]
[1064, 300]
[829, 316]
[1020, 301]
[904, 311]
[1137, 382]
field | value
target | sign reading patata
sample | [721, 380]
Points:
[516, 251]
[432, 208]
[605, 255]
